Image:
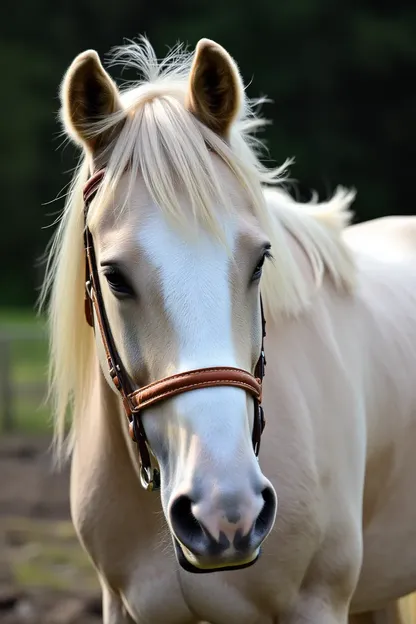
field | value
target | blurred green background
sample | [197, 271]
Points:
[341, 74]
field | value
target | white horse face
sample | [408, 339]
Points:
[177, 301]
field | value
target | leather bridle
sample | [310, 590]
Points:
[136, 399]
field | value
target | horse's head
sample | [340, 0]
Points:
[180, 250]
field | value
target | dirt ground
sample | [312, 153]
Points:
[45, 578]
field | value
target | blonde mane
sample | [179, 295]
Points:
[171, 148]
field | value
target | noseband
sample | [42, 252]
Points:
[136, 399]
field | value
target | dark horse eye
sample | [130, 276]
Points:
[258, 270]
[118, 283]
[259, 267]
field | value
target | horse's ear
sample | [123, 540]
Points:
[216, 92]
[88, 95]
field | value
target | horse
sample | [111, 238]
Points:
[181, 273]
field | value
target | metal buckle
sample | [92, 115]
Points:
[88, 288]
[150, 478]
[114, 370]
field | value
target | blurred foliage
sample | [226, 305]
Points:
[340, 74]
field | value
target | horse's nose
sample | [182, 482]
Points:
[221, 526]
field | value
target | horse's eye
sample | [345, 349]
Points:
[118, 283]
[259, 267]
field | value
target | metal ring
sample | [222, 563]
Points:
[150, 478]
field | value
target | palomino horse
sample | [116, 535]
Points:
[186, 233]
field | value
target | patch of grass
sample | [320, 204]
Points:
[23, 334]
[46, 554]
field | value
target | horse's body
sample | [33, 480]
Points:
[339, 397]
[354, 430]
[386, 252]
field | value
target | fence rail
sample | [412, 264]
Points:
[23, 361]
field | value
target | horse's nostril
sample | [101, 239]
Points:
[267, 515]
[184, 523]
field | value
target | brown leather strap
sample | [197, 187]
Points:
[92, 185]
[90, 189]
[94, 302]
[193, 380]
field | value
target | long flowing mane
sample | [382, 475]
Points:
[162, 140]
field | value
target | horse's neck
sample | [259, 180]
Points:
[107, 500]
[101, 430]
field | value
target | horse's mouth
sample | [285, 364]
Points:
[189, 563]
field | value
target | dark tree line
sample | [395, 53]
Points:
[341, 75]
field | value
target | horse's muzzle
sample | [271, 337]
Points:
[189, 563]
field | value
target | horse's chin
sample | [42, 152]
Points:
[189, 562]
